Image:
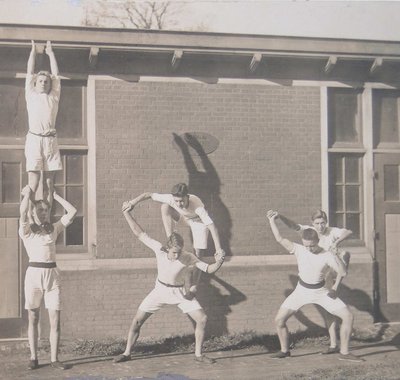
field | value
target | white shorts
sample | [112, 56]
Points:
[303, 296]
[162, 295]
[42, 153]
[39, 283]
[199, 233]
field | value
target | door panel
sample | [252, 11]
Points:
[13, 322]
[387, 243]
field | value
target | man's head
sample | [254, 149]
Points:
[41, 212]
[43, 82]
[310, 240]
[174, 246]
[180, 193]
[319, 221]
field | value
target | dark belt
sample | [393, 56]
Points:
[43, 265]
[51, 134]
[169, 285]
[318, 285]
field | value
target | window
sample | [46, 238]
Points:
[345, 198]
[345, 160]
[386, 105]
[71, 182]
[344, 117]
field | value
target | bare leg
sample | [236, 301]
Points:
[134, 330]
[200, 319]
[281, 328]
[345, 329]
[33, 317]
[33, 180]
[54, 317]
[169, 217]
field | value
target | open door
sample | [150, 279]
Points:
[387, 242]
[13, 318]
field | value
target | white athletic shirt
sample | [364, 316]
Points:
[312, 267]
[170, 272]
[195, 210]
[42, 247]
[330, 235]
[42, 108]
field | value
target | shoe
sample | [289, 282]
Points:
[330, 350]
[33, 364]
[204, 359]
[122, 358]
[58, 365]
[351, 358]
[280, 355]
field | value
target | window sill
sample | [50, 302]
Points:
[78, 262]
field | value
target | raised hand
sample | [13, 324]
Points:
[126, 206]
[49, 48]
[271, 214]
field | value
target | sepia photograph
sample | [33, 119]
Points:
[199, 190]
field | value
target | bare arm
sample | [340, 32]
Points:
[215, 236]
[52, 58]
[219, 260]
[345, 234]
[71, 210]
[285, 243]
[290, 223]
[31, 60]
[134, 226]
[132, 203]
[24, 206]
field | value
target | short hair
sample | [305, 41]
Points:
[180, 190]
[310, 234]
[319, 214]
[45, 73]
[174, 240]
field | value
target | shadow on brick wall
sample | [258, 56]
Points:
[216, 297]
[206, 184]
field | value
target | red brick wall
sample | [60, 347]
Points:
[98, 304]
[268, 157]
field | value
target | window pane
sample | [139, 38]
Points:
[353, 223]
[352, 198]
[13, 113]
[336, 169]
[74, 170]
[337, 198]
[386, 116]
[391, 182]
[352, 169]
[75, 197]
[74, 232]
[337, 220]
[69, 122]
[344, 116]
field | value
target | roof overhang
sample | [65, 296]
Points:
[81, 51]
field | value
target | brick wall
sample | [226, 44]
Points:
[269, 156]
[102, 303]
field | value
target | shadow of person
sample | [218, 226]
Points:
[216, 297]
[205, 183]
